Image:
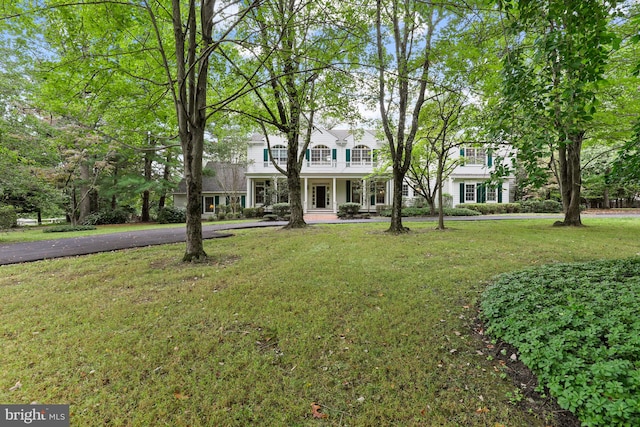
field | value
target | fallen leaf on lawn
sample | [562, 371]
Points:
[16, 387]
[482, 410]
[180, 396]
[315, 411]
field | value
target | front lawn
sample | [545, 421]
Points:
[375, 329]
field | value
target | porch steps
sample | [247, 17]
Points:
[320, 215]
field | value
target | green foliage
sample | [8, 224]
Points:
[281, 209]
[491, 208]
[425, 212]
[68, 228]
[576, 326]
[8, 217]
[348, 210]
[540, 206]
[253, 212]
[171, 215]
[117, 216]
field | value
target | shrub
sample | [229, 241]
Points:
[460, 212]
[221, 215]
[67, 228]
[172, 215]
[281, 210]
[491, 208]
[576, 327]
[253, 212]
[348, 210]
[540, 206]
[427, 212]
[8, 217]
[116, 216]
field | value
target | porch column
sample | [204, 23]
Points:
[305, 204]
[365, 194]
[249, 201]
[334, 195]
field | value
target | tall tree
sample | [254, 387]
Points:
[431, 163]
[404, 32]
[302, 46]
[557, 54]
[199, 30]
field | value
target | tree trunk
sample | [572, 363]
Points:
[295, 200]
[396, 226]
[606, 203]
[85, 188]
[440, 196]
[570, 180]
[166, 175]
[193, 176]
[145, 217]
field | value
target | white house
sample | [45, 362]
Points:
[336, 170]
[338, 163]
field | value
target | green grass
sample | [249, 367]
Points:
[373, 327]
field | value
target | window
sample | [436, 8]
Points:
[361, 155]
[282, 191]
[356, 192]
[209, 205]
[469, 192]
[475, 156]
[279, 153]
[320, 155]
[491, 194]
[405, 190]
[378, 191]
[260, 192]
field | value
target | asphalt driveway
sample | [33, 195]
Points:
[57, 248]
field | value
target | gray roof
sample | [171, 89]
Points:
[226, 178]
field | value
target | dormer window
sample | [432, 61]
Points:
[361, 155]
[321, 155]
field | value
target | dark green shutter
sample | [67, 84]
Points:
[266, 154]
[481, 193]
[334, 154]
[307, 154]
[490, 158]
[348, 191]
[500, 193]
[243, 201]
[375, 156]
[462, 152]
[348, 157]
[462, 192]
[216, 200]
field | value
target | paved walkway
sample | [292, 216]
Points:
[46, 249]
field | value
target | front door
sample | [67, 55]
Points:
[321, 196]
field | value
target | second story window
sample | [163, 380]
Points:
[361, 155]
[321, 155]
[474, 156]
[279, 153]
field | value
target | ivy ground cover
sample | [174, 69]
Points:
[577, 327]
